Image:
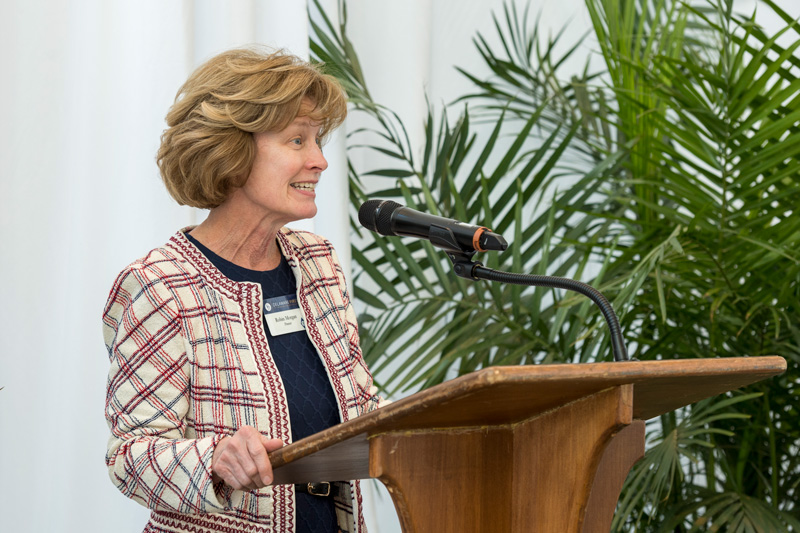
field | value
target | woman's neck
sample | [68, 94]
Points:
[242, 240]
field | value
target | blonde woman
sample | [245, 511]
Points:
[237, 335]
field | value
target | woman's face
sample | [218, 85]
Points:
[285, 172]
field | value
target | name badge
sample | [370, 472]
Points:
[283, 315]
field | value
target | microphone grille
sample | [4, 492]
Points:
[366, 213]
[376, 215]
[383, 221]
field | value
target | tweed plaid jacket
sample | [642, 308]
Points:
[190, 364]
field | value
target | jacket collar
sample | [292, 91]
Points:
[287, 241]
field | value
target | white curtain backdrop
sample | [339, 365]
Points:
[85, 87]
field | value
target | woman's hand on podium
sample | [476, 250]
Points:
[241, 460]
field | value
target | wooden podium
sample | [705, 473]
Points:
[527, 448]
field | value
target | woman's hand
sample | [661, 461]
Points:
[241, 460]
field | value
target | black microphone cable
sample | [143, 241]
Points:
[617, 342]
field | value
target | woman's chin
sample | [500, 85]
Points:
[304, 214]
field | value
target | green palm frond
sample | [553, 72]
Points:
[732, 512]
[674, 441]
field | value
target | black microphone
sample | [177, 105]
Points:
[390, 218]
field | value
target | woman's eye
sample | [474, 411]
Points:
[298, 142]
[319, 142]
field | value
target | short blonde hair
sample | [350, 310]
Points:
[208, 148]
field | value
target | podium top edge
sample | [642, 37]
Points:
[768, 365]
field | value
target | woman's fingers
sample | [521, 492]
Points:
[241, 460]
[271, 444]
[260, 469]
[268, 445]
[226, 464]
[241, 481]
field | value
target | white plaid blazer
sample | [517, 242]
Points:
[190, 364]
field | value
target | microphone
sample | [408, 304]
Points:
[390, 218]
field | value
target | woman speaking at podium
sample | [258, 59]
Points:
[237, 335]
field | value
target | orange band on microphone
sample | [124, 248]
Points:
[476, 237]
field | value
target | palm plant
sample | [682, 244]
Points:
[681, 154]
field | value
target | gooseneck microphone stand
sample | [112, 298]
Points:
[465, 267]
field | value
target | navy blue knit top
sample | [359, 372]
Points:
[312, 405]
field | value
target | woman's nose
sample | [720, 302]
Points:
[317, 159]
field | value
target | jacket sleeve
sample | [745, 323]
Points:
[148, 458]
[368, 399]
